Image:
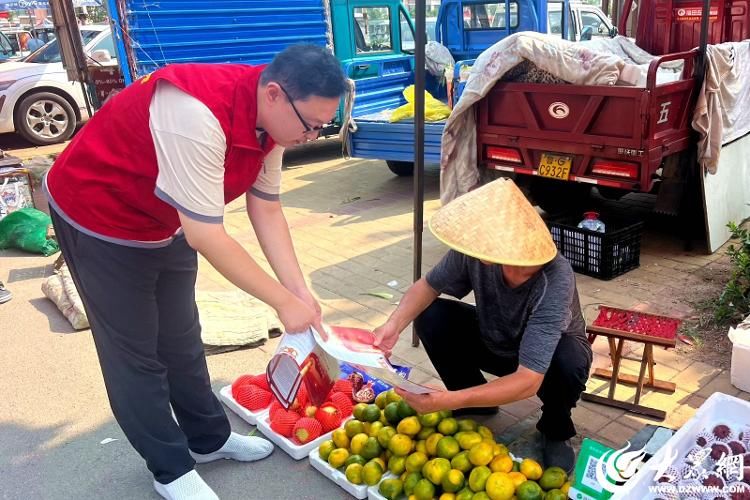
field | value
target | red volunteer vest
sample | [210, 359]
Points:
[105, 179]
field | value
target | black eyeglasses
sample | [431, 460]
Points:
[308, 128]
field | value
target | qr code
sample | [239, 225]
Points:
[589, 477]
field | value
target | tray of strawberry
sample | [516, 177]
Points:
[249, 397]
[301, 428]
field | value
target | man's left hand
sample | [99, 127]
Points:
[426, 403]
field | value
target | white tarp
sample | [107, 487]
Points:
[722, 113]
[615, 61]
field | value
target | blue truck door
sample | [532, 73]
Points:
[468, 27]
[376, 58]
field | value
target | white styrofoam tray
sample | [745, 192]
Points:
[294, 450]
[251, 417]
[338, 477]
[717, 409]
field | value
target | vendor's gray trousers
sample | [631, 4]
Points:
[141, 307]
[451, 335]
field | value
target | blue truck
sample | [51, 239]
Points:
[467, 28]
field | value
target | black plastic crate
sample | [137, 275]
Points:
[600, 255]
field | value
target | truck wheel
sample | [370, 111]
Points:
[45, 118]
[558, 197]
[401, 168]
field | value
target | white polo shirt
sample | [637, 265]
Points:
[190, 149]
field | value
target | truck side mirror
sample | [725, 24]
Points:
[613, 32]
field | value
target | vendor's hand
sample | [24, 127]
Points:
[296, 315]
[426, 403]
[386, 337]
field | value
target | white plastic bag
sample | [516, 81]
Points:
[438, 60]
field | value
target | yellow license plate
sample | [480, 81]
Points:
[555, 166]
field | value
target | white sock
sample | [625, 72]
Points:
[237, 447]
[189, 486]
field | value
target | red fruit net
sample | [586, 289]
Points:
[253, 398]
[239, 382]
[343, 402]
[328, 416]
[283, 422]
[651, 325]
[260, 381]
[342, 385]
[312, 426]
[301, 400]
[275, 406]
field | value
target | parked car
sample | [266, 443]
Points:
[407, 36]
[36, 98]
[586, 21]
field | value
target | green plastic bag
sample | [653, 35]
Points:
[26, 229]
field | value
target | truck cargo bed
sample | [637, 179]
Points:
[382, 140]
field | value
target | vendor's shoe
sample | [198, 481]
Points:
[559, 454]
[480, 410]
[237, 447]
[189, 486]
[5, 294]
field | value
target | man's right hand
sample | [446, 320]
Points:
[296, 315]
[386, 337]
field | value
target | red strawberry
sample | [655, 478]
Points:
[305, 430]
[261, 381]
[239, 382]
[343, 402]
[275, 406]
[253, 398]
[342, 385]
[328, 416]
[283, 422]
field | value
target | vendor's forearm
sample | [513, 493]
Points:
[507, 389]
[418, 298]
[272, 230]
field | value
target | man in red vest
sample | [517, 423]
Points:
[138, 192]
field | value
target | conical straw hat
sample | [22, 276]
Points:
[495, 223]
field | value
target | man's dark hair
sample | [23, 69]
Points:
[306, 70]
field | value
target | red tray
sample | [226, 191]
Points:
[652, 325]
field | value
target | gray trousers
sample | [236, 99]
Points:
[144, 320]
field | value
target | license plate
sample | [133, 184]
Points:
[555, 166]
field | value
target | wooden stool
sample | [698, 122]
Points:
[619, 325]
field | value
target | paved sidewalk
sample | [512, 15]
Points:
[352, 225]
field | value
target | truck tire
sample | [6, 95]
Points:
[44, 118]
[401, 168]
[558, 197]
